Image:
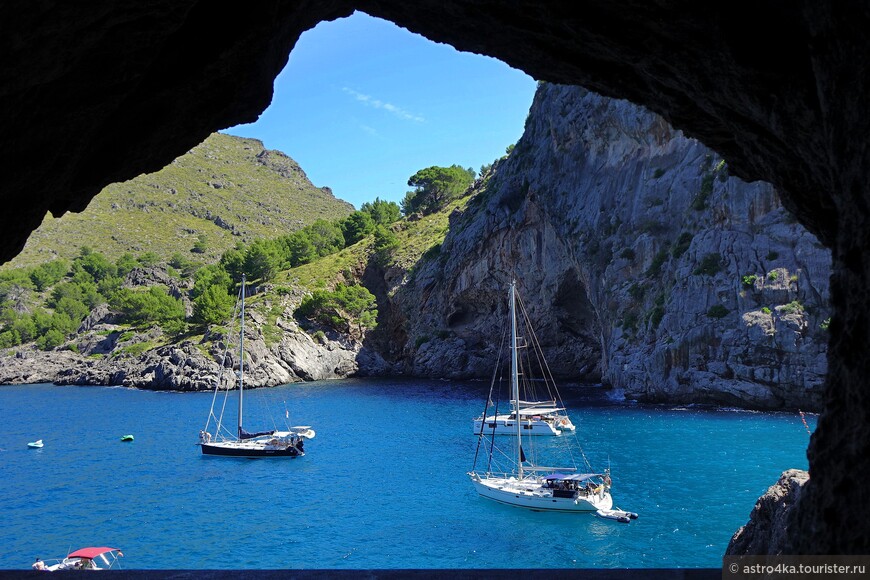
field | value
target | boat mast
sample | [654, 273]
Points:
[515, 383]
[242, 356]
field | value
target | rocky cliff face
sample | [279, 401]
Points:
[768, 529]
[109, 355]
[642, 262]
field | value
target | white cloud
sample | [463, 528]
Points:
[378, 104]
[371, 131]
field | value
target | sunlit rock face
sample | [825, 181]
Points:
[643, 263]
[96, 95]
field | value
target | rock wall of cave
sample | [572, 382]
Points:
[97, 95]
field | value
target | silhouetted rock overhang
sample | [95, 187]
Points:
[97, 94]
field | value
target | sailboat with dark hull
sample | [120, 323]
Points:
[241, 443]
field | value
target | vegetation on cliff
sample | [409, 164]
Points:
[181, 291]
[223, 191]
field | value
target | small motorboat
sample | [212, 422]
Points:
[97, 558]
[35, 444]
[619, 515]
[127, 438]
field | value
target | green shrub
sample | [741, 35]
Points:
[49, 273]
[433, 252]
[717, 311]
[681, 245]
[125, 264]
[655, 316]
[356, 226]
[793, 307]
[749, 280]
[342, 308]
[825, 324]
[629, 321]
[9, 338]
[655, 268]
[773, 276]
[213, 305]
[152, 305]
[710, 265]
[51, 339]
[174, 326]
[434, 187]
[766, 310]
[136, 349]
[700, 201]
[653, 227]
[148, 260]
[385, 243]
[385, 212]
[201, 244]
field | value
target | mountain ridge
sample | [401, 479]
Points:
[725, 305]
[229, 189]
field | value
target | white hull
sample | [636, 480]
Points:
[530, 494]
[501, 426]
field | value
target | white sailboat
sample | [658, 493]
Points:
[270, 443]
[536, 418]
[523, 483]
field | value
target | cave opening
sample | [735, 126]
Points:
[793, 124]
[363, 104]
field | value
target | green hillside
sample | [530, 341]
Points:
[414, 239]
[176, 294]
[227, 189]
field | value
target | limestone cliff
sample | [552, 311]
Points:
[643, 264]
[277, 352]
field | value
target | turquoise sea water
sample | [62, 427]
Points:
[383, 485]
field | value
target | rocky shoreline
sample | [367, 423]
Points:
[767, 531]
[111, 355]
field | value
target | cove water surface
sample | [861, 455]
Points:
[383, 485]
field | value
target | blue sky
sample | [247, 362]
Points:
[363, 104]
